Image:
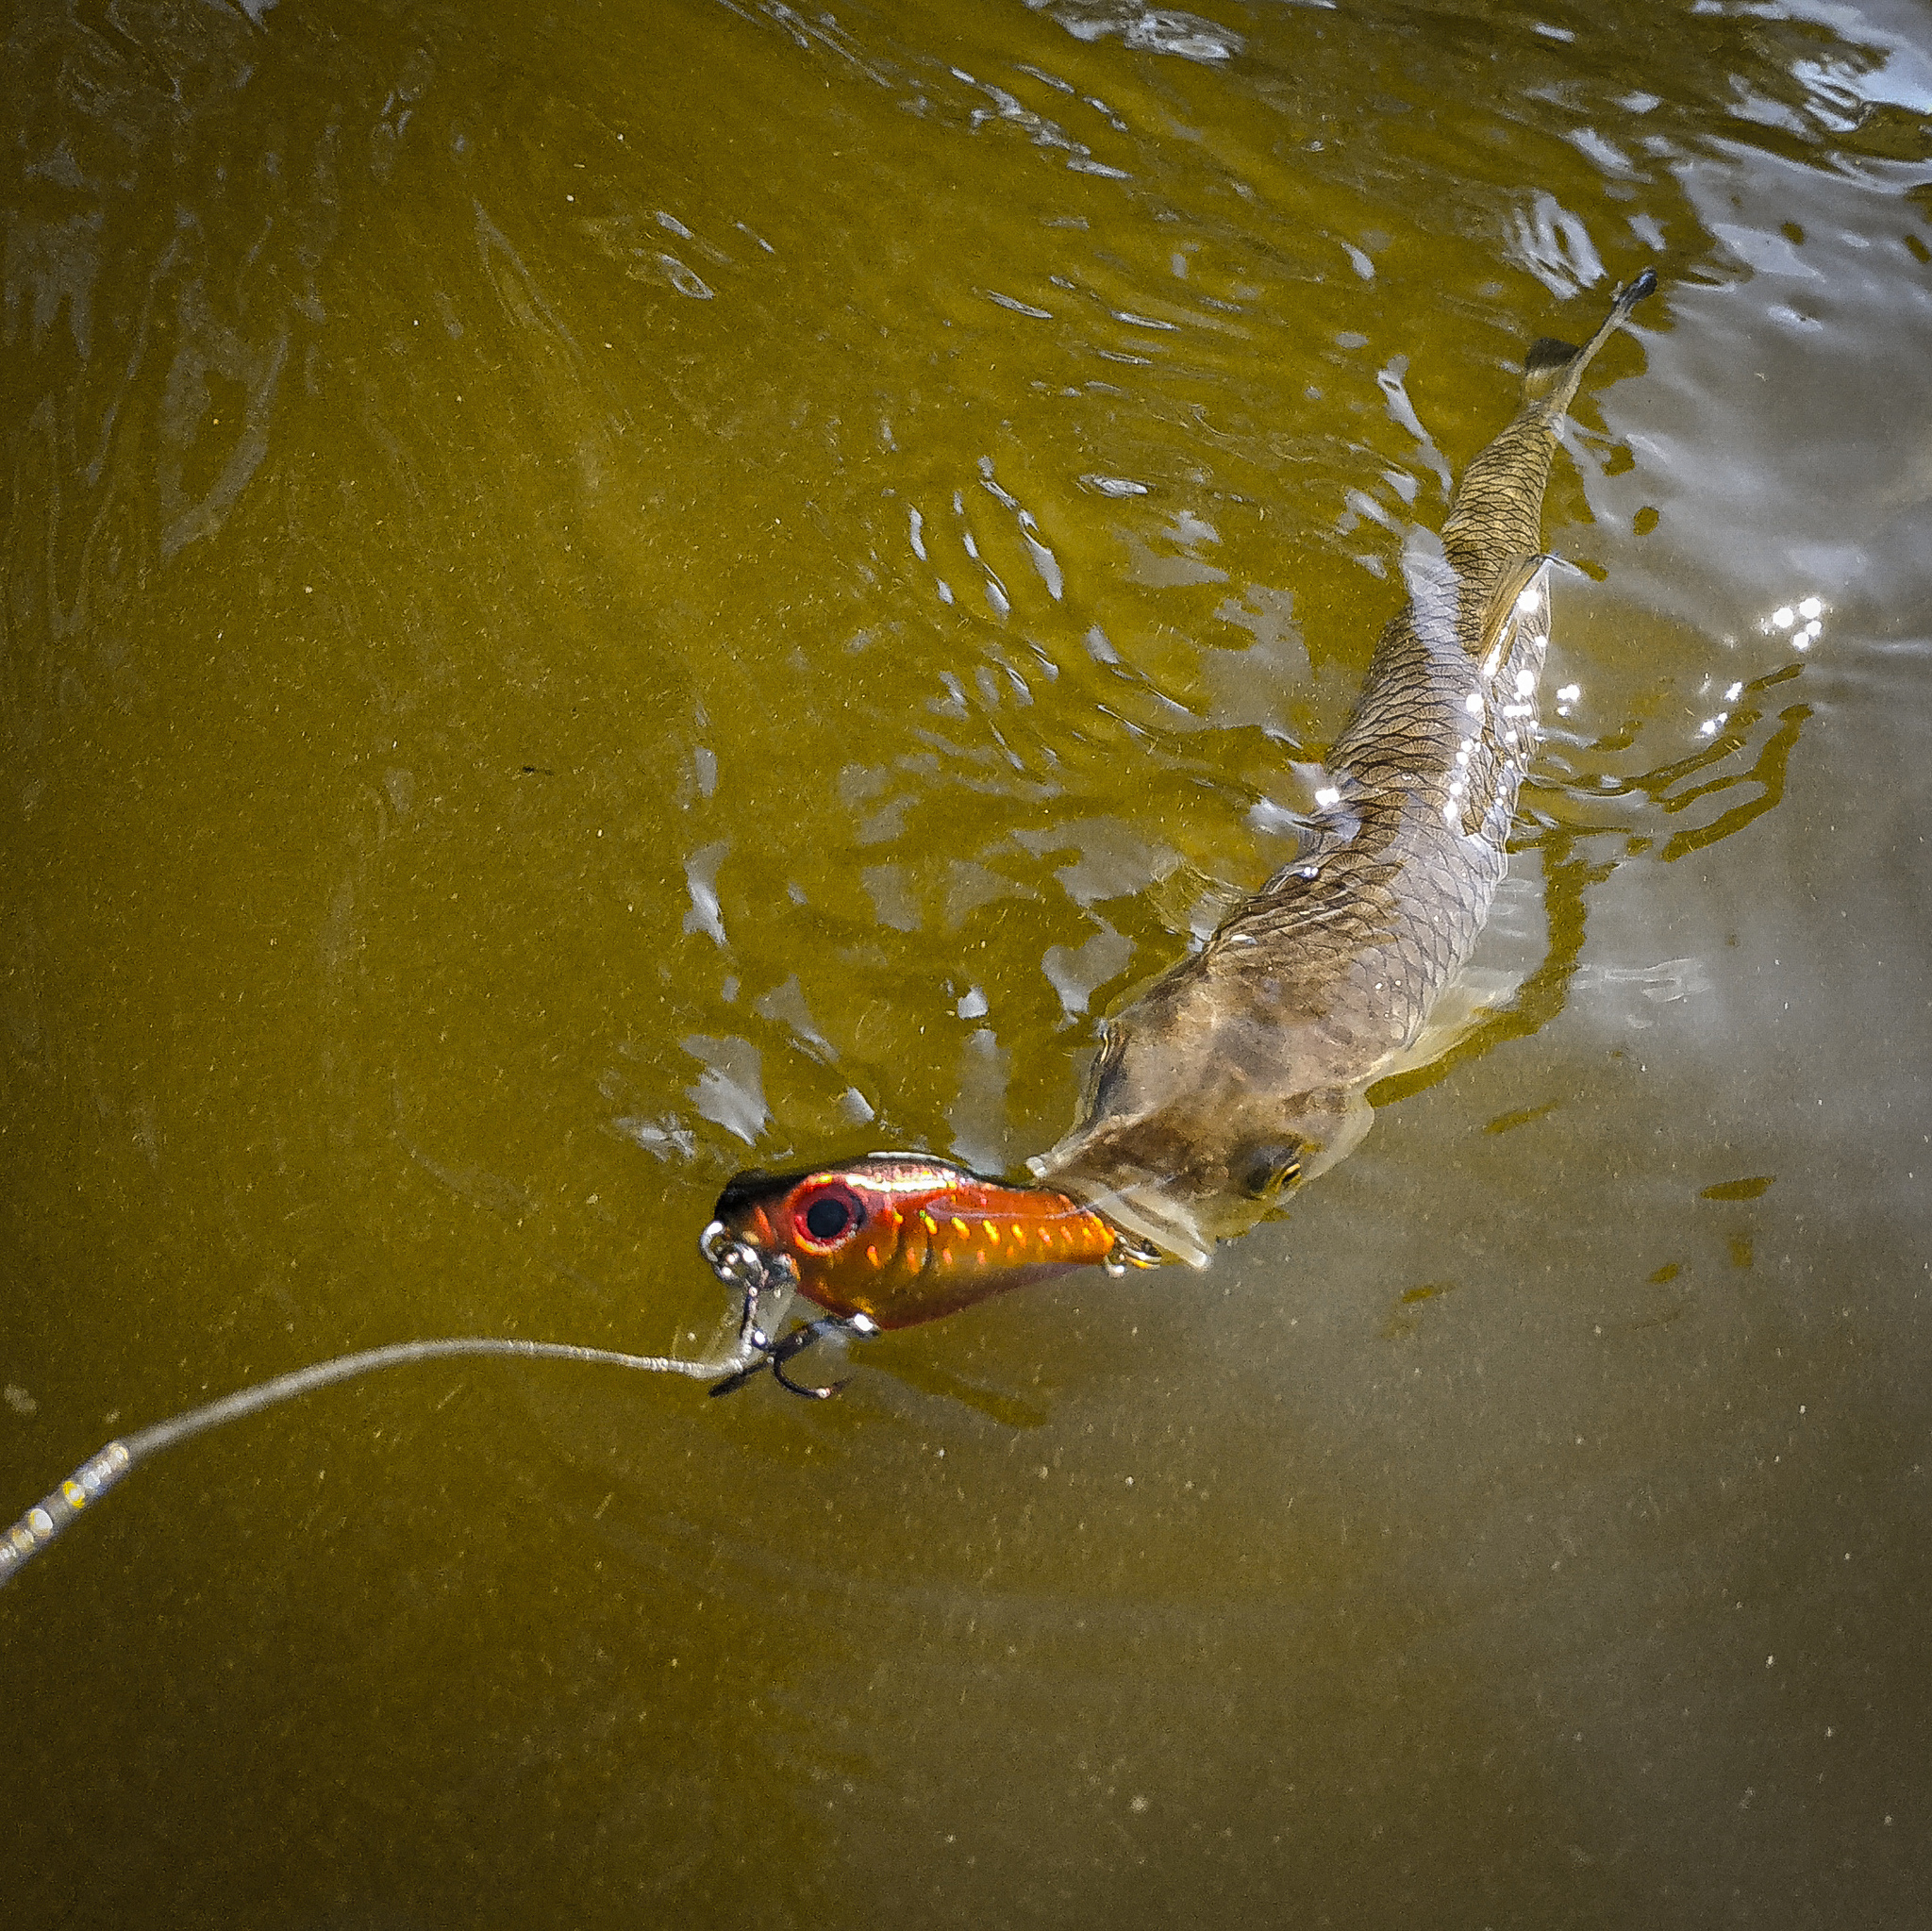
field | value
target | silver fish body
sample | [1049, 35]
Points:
[1242, 1069]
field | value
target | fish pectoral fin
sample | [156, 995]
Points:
[1516, 577]
[1325, 818]
[1311, 778]
[1473, 998]
[1355, 1120]
[1190, 899]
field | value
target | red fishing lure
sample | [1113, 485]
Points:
[898, 1238]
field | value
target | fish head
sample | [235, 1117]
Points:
[1200, 1112]
[899, 1238]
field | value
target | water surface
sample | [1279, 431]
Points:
[595, 597]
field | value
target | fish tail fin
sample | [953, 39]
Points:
[1553, 369]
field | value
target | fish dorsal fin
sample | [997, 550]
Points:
[1544, 367]
[1512, 580]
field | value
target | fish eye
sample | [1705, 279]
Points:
[1276, 1168]
[827, 1215]
[1104, 1078]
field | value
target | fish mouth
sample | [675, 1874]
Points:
[1144, 1212]
[1142, 1209]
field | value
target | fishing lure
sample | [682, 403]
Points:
[891, 1240]
[885, 1241]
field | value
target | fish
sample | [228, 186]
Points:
[1241, 1072]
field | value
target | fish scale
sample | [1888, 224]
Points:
[1243, 1068]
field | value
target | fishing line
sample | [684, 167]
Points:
[107, 1466]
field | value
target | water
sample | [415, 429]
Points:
[595, 598]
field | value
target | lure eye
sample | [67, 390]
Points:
[827, 1216]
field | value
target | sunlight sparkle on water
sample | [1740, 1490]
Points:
[1804, 616]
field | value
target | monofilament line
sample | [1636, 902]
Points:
[101, 1471]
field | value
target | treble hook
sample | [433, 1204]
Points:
[1126, 1252]
[776, 1353]
[740, 1264]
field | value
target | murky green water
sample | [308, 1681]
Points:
[596, 596]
